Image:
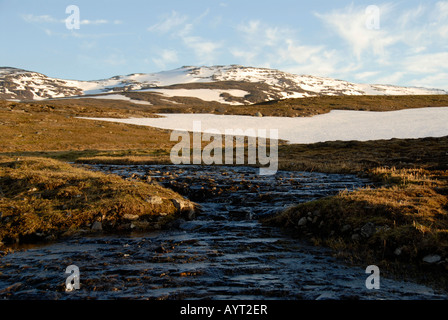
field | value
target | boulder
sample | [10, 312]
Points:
[155, 200]
[368, 230]
[432, 258]
[97, 226]
[302, 221]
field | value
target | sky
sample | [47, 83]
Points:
[393, 42]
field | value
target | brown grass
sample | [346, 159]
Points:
[407, 215]
[408, 206]
[44, 199]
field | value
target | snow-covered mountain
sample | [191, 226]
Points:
[232, 84]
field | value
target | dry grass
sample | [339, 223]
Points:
[357, 156]
[407, 216]
[42, 199]
[408, 206]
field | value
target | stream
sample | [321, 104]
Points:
[224, 253]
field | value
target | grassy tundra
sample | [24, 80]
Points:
[402, 221]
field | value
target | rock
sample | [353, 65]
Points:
[382, 229]
[397, 251]
[128, 216]
[326, 296]
[258, 114]
[185, 208]
[155, 200]
[355, 237]
[432, 258]
[346, 228]
[302, 221]
[97, 226]
[368, 230]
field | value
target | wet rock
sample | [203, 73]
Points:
[368, 230]
[97, 226]
[432, 258]
[326, 296]
[302, 222]
[185, 207]
[240, 214]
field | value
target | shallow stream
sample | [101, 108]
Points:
[224, 253]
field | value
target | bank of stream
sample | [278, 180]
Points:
[222, 253]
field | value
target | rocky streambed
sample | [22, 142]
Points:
[223, 252]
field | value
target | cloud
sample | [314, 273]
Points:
[426, 63]
[366, 75]
[166, 56]
[432, 81]
[30, 18]
[182, 28]
[351, 24]
[169, 23]
[205, 50]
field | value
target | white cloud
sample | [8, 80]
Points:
[432, 81]
[166, 57]
[205, 50]
[169, 23]
[366, 75]
[30, 18]
[393, 78]
[426, 63]
[350, 24]
[181, 27]
[39, 19]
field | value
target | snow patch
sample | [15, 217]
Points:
[116, 97]
[336, 125]
[203, 94]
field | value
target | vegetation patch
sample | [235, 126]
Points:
[401, 225]
[44, 199]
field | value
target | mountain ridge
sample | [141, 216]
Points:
[209, 83]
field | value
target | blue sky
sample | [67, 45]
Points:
[402, 43]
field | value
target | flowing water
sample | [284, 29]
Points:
[224, 253]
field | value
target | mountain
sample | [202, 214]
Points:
[232, 84]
